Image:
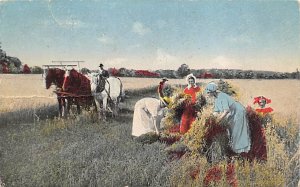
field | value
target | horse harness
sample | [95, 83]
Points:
[101, 81]
[100, 84]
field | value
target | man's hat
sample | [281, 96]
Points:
[165, 78]
[101, 65]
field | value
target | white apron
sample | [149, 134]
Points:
[147, 116]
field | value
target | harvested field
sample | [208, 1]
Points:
[22, 91]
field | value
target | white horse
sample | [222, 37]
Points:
[107, 93]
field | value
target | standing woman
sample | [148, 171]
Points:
[226, 108]
[161, 87]
[189, 112]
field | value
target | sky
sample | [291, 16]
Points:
[154, 34]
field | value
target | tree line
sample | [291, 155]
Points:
[184, 70]
[181, 72]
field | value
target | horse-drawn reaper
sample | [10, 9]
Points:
[74, 88]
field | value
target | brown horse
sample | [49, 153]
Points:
[55, 76]
[78, 87]
[71, 88]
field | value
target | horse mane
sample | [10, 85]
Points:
[77, 77]
[56, 76]
[78, 83]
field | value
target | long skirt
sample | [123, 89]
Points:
[239, 129]
[187, 118]
[145, 111]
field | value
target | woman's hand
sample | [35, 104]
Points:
[154, 119]
[222, 116]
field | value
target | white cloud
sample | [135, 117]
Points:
[165, 60]
[116, 62]
[68, 22]
[65, 21]
[106, 40]
[164, 57]
[222, 62]
[134, 46]
[241, 39]
[74, 23]
[140, 29]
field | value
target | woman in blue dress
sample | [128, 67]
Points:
[226, 108]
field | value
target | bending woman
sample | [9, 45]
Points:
[226, 108]
[147, 116]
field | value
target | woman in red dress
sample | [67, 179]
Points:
[189, 113]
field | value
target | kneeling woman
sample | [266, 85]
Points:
[228, 109]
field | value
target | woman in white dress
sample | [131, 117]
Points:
[148, 113]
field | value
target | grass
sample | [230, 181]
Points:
[72, 152]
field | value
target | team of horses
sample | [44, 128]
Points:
[74, 88]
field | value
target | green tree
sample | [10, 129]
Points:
[183, 70]
[85, 71]
[36, 70]
[13, 69]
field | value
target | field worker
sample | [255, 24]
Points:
[148, 113]
[226, 108]
[161, 87]
[189, 112]
[164, 97]
[102, 72]
[262, 101]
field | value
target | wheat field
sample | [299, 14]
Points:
[23, 91]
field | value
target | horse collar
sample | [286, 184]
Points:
[100, 84]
